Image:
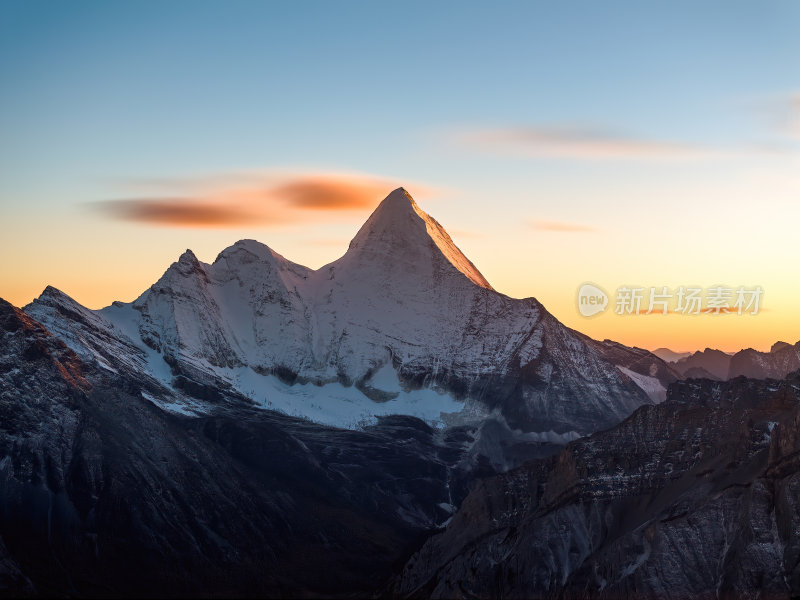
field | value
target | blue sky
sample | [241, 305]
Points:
[585, 113]
[99, 89]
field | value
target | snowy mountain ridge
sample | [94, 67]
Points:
[402, 323]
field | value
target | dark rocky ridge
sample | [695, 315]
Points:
[638, 360]
[693, 498]
[781, 360]
[714, 362]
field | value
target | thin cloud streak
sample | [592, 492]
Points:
[178, 212]
[561, 226]
[794, 116]
[582, 144]
[781, 116]
[252, 200]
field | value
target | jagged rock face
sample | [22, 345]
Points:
[700, 373]
[670, 356]
[779, 346]
[779, 361]
[28, 349]
[694, 498]
[646, 369]
[102, 493]
[713, 362]
[403, 297]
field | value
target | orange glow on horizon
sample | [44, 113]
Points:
[97, 261]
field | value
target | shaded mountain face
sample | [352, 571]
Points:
[779, 346]
[103, 493]
[694, 498]
[669, 356]
[402, 323]
[715, 363]
[781, 360]
[648, 371]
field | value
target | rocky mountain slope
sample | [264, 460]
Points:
[714, 364]
[402, 323]
[103, 493]
[696, 497]
[649, 372]
[781, 360]
[669, 356]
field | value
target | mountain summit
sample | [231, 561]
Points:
[400, 229]
[403, 323]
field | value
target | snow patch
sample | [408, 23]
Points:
[337, 405]
[126, 319]
[651, 386]
[187, 409]
[385, 379]
[550, 437]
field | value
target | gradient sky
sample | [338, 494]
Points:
[622, 143]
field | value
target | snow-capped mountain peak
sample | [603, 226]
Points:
[402, 323]
[188, 259]
[399, 229]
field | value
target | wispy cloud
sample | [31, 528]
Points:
[561, 226]
[177, 212]
[780, 113]
[794, 116]
[230, 201]
[580, 143]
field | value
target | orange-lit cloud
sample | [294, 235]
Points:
[248, 200]
[561, 226]
[178, 212]
[329, 193]
[580, 143]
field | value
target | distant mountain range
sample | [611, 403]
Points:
[782, 359]
[668, 355]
